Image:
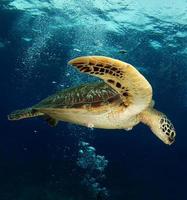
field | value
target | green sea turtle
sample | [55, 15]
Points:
[120, 102]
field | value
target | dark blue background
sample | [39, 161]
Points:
[42, 165]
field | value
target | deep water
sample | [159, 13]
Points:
[37, 39]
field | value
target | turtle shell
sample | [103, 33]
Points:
[93, 95]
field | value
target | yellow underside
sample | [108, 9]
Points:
[106, 118]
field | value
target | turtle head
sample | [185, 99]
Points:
[164, 129]
[160, 125]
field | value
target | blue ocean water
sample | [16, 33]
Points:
[37, 39]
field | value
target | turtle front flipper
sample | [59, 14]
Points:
[135, 90]
[24, 113]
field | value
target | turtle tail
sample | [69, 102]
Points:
[24, 113]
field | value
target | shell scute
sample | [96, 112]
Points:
[87, 95]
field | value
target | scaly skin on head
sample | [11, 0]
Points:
[160, 125]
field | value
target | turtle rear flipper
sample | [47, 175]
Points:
[24, 113]
[51, 121]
